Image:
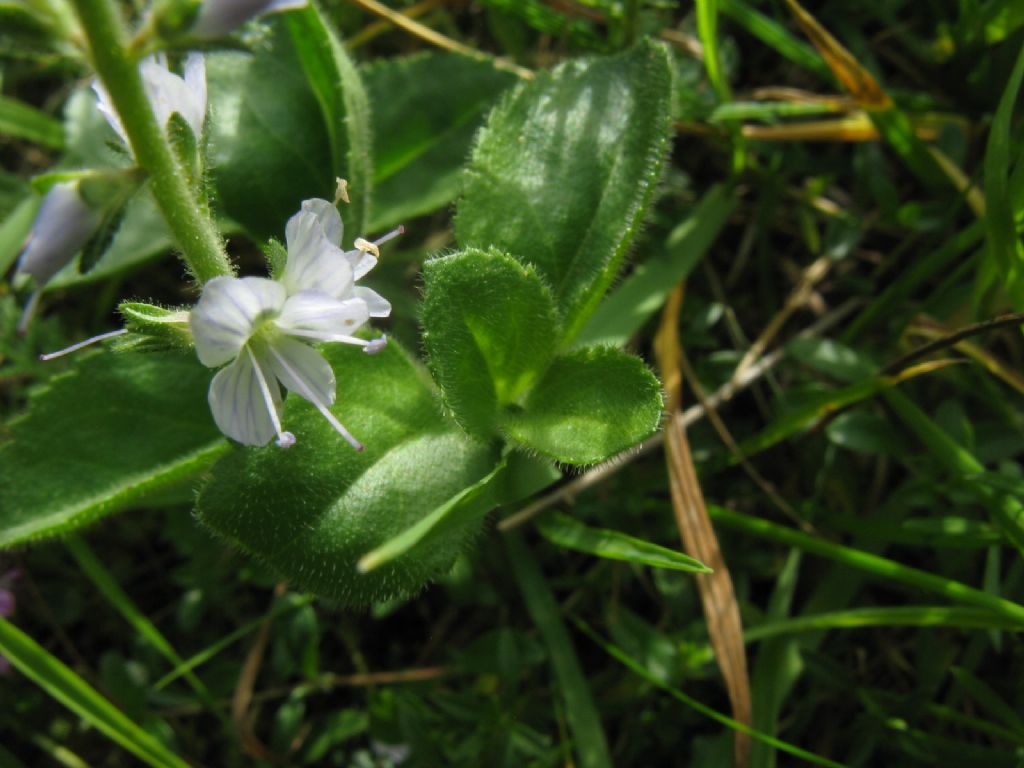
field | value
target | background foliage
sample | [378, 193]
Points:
[842, 185]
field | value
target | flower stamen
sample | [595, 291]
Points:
[284, 439]
[83, 344]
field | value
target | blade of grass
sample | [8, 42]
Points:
[212, 650]
[1006, 511]
[60, 682]
[778, 665]
[990, 701]
[639, 669]
[565, 531]
[584, 722]
[107, 585]
[901, 616]
[874, 565]
[1004, 246]
[718, 598]
[776, 36]
[26, 122]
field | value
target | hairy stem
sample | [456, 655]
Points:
[197, 237]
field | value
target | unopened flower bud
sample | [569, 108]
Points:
[64, 224]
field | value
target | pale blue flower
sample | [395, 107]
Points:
[259, 329]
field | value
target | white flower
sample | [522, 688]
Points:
[217, 18]
[258, 327]
[168, 93]
[64, 224]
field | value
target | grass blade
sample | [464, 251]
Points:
[618, 654]
[584, 721]
[60, 682]
[565, 531]
[879, 567]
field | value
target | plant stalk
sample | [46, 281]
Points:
[197, 237]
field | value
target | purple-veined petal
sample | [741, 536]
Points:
[302, 370]
[309, 313]
[227, 312]
[246, 402]
[375, 303]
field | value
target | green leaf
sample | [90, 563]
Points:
[60, 682]
[515, 477]
[568, 532]
[114, 430]
[344, 105]
[591, 404]
[426, 110]
[312, 511]
[563, 171]
[490, 331]
[287, 121]
[26, 122]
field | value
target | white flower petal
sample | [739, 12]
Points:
[327, 214]
[106, 107]
[227, 313]
[239, 403]
[314, 312]
[377, 304]
[314, 263]
[169, 93]
[302, 370]
[195, 82]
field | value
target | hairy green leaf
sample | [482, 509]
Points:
[490, 331]
[591, 404]
[563, 171]
[312, 511]
[101, 437]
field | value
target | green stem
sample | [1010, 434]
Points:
[198, 238]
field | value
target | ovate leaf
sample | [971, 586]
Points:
[426, 109]
[490, 331]
[564, 169]
[287, 120]
[590, 405]
[312, 511]
[102, 437]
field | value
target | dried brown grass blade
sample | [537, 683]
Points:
[844, 65]
[698, 535]
[241, 715]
